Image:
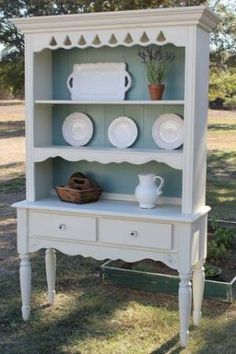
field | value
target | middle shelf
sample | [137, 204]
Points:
[107, 155]
[124, 102]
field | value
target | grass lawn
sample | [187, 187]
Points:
[89, 317]
[221, 164]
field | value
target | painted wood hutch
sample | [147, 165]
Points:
[175, 232]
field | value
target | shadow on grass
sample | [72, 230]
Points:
[171, 346]
[13, 184]
[12, 165]
[224, 127]
[221, 164]
[50, 336]
[219, 338]
[12, 129]
[221, 183]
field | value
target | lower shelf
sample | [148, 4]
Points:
[168, 284]
[117, 208]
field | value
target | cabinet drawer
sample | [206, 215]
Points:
[62, 226]
[135, 233]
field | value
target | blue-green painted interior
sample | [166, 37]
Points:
[102, 116]
[118, 178]
[111, 176]
[63, 61]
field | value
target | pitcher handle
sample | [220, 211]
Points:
[161, 184]
[127, 75]
[69, 82]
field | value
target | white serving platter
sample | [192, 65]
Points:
[122, 132]
[77, 129]
[99, 82]
[168, 131]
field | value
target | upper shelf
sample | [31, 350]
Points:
[108, 155]
[125, 102]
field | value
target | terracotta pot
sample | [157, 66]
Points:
[156, 91]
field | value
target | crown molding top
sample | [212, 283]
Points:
[178, 16]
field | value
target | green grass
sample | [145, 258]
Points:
[221, 165]
[221, 184]
[17, 183]
[91, 318]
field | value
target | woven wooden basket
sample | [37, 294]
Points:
[71, 195]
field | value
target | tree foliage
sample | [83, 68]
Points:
[222, 83]
[223, 39]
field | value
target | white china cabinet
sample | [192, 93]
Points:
[175, 232]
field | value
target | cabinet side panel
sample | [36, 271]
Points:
[43, 75]
[29, 114]
[43, 179]
[195, 123]
[22, 231]
[42, 125]
[200, 119]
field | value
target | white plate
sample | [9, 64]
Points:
[122, 132]
[77, 129]
[168, 131]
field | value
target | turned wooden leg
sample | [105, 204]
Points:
[25, 285]
[198, 289]
[185, 298]
[50, 262]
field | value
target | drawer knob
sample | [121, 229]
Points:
[62, 227]
[134, 233]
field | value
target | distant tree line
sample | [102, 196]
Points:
[222, 80]
[223, 47]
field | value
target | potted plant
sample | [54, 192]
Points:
[156, 60]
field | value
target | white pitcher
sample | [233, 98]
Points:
[147, 191]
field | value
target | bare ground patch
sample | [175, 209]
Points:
[12, 181]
